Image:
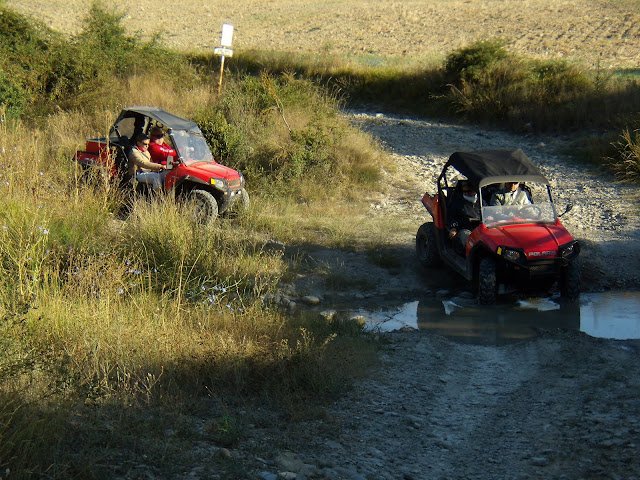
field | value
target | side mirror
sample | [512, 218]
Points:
[567, 210]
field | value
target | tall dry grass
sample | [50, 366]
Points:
[153, 312]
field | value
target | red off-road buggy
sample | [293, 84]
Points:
[516, 247]
[193, 175]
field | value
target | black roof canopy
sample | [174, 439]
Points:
[167, 119]
[484, 167]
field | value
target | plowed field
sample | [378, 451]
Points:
[597, 32]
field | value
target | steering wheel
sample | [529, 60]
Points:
[533, 211]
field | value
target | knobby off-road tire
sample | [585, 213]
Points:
[426, 247]
[570, 280]
[487, 281]
[205, 206]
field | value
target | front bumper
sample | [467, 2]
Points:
[230, 198]
[514, 265]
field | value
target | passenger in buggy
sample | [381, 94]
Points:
[142, 168]
[463, 214]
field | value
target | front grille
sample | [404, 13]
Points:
[543, 267]
[236, 183]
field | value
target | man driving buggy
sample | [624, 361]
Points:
[511, 194]
[158, 148]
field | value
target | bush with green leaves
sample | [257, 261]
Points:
[12, 97]
[470, 64]
[48, 71]
[282, 131]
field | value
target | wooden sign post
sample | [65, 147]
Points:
[224, 50]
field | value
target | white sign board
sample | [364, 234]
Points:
[227, 35]
[223, 51]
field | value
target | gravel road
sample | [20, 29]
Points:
[563, 405]
[605, 214]
[604, 217]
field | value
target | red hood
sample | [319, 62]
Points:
[207, 170]
[535, 240]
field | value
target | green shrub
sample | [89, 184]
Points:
[104, 40]
[470, 63]
[12, 98]
[282, 131]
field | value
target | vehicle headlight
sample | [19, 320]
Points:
[220, 183]
[569, 251]
[510, 254]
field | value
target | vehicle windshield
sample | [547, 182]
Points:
[191, 146]
[532, 205]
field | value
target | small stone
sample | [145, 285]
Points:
[289, 462]
[274, 247]
[310, 300]
[467, 295]
[540, 461]
[329, 314]
[333, 445]
[348, 473]
[288, 475]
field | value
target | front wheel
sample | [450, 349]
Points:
[487, 281]
[426, 247]
[240, 206]
[205, 206]
[570, 280]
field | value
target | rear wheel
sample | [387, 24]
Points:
[426, 247]
[205, 206]
[570, 280]
[487, 281]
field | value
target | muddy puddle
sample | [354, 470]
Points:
[605, 315]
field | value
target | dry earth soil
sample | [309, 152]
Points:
[598, 32]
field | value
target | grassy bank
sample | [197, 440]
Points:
[113, 332]
[104, 321]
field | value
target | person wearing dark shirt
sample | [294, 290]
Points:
[463, 214]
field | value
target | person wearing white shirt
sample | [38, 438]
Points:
[512, 194]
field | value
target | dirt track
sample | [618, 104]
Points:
[597, 32]
[560, 405]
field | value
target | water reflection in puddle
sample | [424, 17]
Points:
[605, 315]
